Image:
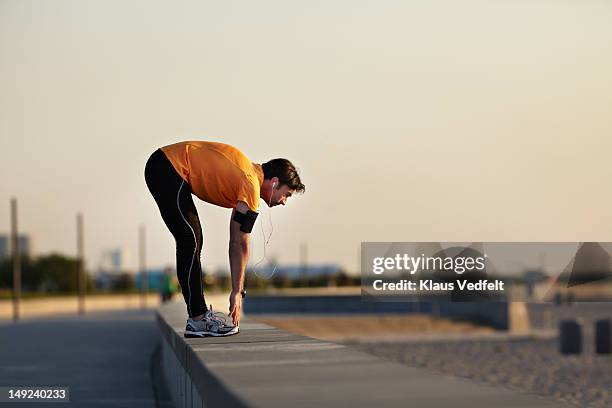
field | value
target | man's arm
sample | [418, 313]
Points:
[238, 257]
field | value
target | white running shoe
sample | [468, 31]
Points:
[211, 325]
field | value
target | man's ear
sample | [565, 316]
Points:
[275, 183]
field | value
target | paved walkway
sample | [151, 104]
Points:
[104, 357]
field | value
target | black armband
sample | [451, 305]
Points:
[246, 221]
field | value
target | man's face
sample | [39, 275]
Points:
[280, 195]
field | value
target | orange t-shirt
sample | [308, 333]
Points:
[217, 173]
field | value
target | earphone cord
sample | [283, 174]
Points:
[266, 241]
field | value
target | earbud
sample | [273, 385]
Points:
[271, 193]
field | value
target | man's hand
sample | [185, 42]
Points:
[238, 257]
[235, 309]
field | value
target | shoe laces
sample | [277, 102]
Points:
[216, 317]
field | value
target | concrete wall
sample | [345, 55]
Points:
[494, 314]
[190, 383]
[267, 367]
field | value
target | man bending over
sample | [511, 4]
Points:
[222, 175]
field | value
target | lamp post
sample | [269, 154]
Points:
[16, 261]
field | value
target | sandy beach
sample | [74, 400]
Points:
[528, 365]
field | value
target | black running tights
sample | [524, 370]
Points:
[173, 197]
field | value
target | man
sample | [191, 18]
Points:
[222, 175]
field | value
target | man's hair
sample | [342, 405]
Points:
[286, 173]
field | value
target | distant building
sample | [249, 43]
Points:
[114, 260]
[5, 245]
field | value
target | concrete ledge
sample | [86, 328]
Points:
[189, 381]
[267, 367]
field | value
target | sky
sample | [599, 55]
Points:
[409, 121]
